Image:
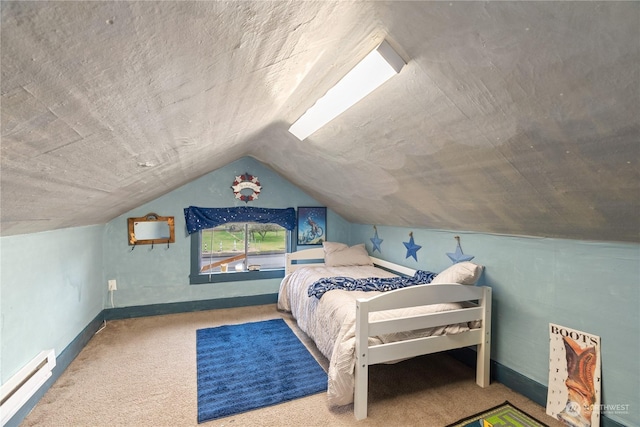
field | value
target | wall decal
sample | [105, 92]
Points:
[246, 182]
[376, 240]
[412, 248]
[458, 256]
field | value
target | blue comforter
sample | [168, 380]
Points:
[318, 288]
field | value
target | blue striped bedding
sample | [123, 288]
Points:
[318, 288]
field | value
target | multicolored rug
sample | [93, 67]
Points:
[504, 415]
[252, 365]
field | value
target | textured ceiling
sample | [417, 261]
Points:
[509, 117]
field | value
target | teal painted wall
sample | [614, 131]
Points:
[590, 286]
[161, 275]
[50, 288]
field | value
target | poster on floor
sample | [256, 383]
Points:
[574, 377]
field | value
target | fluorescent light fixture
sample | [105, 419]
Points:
[376, 68]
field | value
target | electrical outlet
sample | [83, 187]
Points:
[112, 285]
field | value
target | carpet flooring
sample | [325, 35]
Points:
[142, 372]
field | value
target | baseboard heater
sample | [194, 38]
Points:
[19, 388]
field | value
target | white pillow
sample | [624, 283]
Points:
[339, 254]
[464, 273]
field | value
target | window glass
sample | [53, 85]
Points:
[238, 251]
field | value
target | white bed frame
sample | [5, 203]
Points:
[479, 298]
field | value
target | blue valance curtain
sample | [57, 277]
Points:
[202, 218]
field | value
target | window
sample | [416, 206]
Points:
[240, 237]
[239, 251]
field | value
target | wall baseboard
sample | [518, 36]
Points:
[517, 382]
[187, 306]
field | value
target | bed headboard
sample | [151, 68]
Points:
[315, 258]
[311, 257]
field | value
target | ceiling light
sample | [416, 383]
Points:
[376, 68]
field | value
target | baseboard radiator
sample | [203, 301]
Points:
[24, 384]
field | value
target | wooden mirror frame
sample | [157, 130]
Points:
[151, 217]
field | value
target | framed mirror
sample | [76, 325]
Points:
[151, 229]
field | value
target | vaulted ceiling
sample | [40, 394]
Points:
[509, 117]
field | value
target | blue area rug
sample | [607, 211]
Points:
[250, 366]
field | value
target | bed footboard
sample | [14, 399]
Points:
[479, 309]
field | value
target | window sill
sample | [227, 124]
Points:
[235, 276]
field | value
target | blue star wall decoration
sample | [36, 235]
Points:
[458, 256]
[412, 248]
[376, 241]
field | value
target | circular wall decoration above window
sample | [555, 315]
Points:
[246, 187]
